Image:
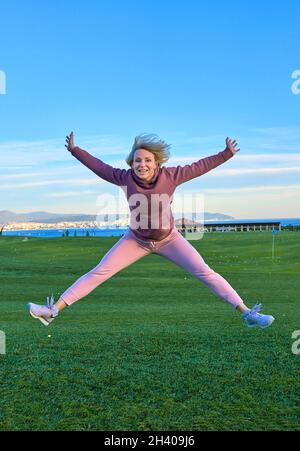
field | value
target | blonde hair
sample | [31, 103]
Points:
[152, 143]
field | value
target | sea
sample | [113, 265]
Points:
[56, 233]
[120, 231]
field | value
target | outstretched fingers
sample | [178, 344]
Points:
[232, 145]
[70, 141]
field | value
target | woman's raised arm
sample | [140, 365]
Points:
[103, 170]
[182, 174]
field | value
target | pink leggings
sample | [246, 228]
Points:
[129, 249]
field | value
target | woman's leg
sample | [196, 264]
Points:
[181, 252]
[125, 252]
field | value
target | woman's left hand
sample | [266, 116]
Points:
[232, 145]
[70, 142]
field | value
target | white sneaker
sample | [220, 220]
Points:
[45, 313]
[254, 319]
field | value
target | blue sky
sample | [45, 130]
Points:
[191, 71]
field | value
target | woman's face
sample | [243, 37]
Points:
[144, 164]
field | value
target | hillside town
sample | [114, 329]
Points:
[63, 225]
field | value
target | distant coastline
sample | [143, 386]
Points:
[55, 225]
[9, 217]
[105, 231]
[11, 221]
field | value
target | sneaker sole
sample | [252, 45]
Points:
[41, 318]
[271, 321]
[251, 326]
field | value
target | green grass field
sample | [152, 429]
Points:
[152, 348]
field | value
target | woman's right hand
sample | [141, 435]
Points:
[70, 142]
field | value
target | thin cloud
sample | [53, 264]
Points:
[267, 157]
[49, 173]
[70, 194]
[63, 182]
[261, 188]
[279, 132]
[261, 158]
[33, 153]
[254, 171]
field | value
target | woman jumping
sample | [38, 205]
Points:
[152, 230]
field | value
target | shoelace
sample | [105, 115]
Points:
[257, 308]
[50, 301]
[51, 306]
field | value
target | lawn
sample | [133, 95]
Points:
[152, 349]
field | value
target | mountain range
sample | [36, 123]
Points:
[48, 218]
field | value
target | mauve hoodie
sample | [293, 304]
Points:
[144, 196]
